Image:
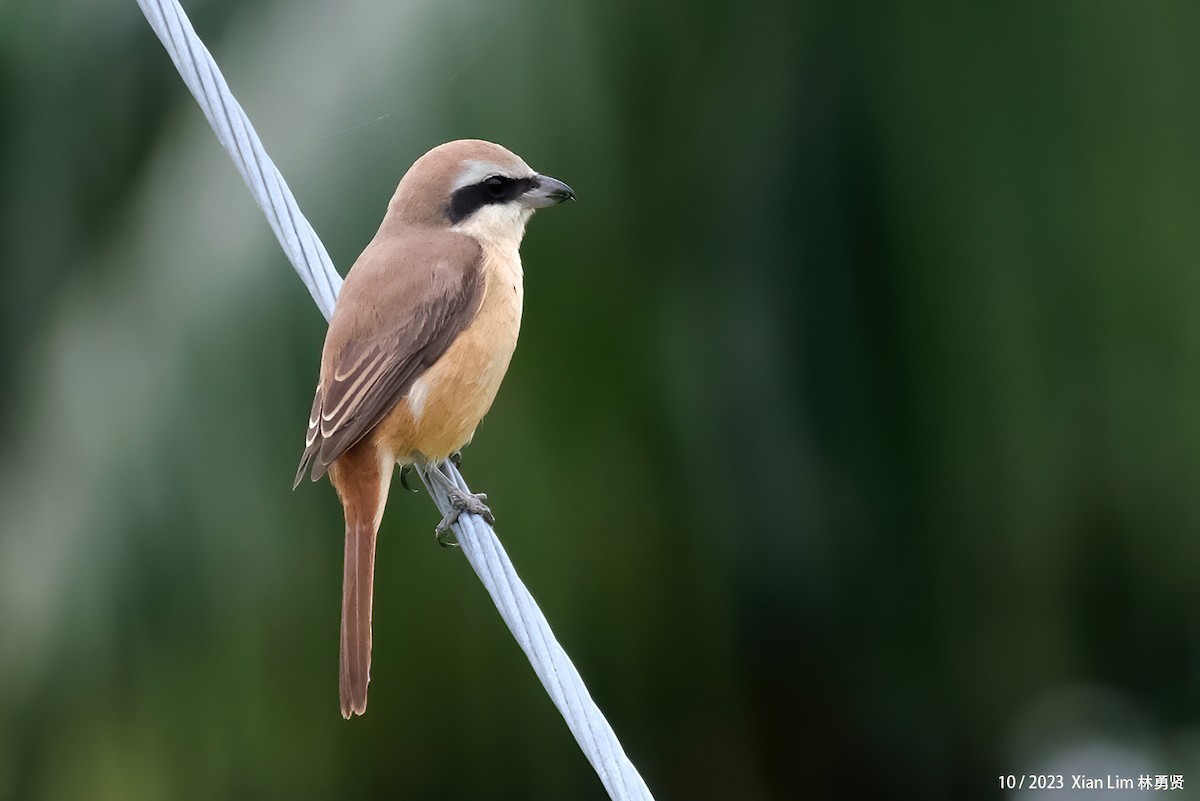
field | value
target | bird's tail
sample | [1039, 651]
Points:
[357, 584]
[363, 487]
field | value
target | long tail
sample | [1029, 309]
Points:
[357, 585]
[362, 483]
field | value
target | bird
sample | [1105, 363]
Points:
[420, 339]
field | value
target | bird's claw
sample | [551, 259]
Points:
[404, 471]
[472, 502]
[444, 534]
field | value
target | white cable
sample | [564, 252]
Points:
[235, 133]
[478, 540]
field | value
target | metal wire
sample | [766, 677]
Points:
[477, 539]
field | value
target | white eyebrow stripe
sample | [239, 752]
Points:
[475, 170]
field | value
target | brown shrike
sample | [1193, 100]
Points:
[420, 339]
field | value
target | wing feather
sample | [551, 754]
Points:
[417, 312]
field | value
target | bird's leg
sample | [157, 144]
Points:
[460, 502]
[456, 458]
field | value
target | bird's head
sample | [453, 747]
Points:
[475, 187]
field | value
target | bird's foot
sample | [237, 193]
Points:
[456, 458]
[472, 502]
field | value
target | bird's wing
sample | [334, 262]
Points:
[401, 307]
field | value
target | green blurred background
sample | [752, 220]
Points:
[852, 445]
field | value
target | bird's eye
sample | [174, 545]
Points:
[496, 185]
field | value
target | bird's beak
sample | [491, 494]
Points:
[547, 191]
